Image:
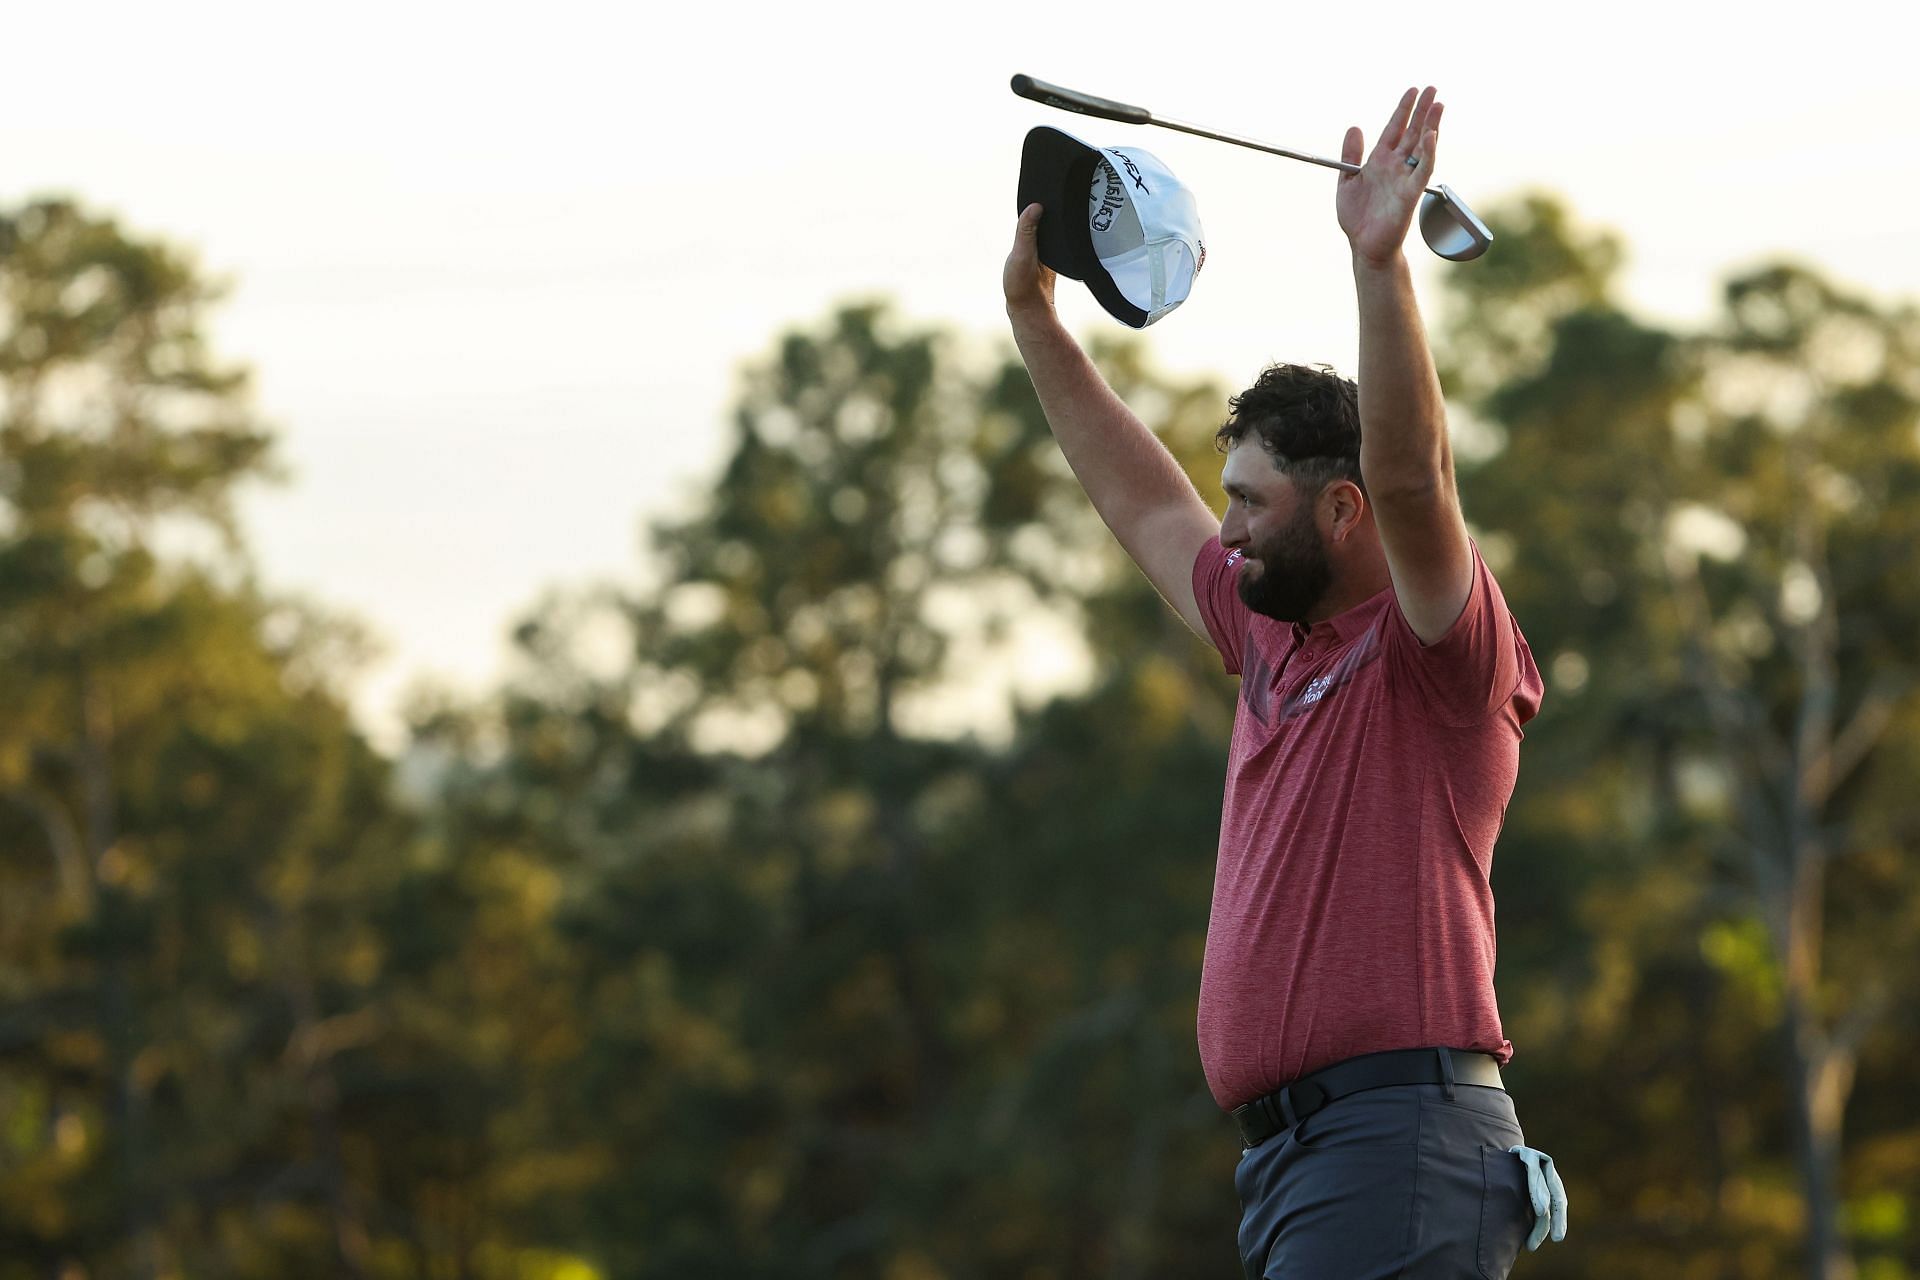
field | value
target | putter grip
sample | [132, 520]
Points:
[1084, 103]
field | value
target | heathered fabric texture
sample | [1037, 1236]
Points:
[1366, 781]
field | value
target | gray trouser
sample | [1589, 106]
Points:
[1403, 1181]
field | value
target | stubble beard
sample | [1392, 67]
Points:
[1295, 571]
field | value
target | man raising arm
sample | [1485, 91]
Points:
[1135, 484]
[1347, 1017]
[1404, 454]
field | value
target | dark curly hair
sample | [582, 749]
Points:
[1307, 417]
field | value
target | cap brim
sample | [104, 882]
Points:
[1056, 171]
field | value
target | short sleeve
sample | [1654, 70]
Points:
[1216, 572]
[1481, 665]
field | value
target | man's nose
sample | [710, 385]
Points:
[1233, 530]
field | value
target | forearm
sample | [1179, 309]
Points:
[1124, 468]
[1403, 418]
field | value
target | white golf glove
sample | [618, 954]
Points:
[1549, 1196]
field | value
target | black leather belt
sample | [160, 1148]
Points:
[1285, 1108]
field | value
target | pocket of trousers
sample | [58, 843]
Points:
[1506, 1211]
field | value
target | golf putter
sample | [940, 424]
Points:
[1450, 229]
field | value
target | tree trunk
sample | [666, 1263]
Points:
[1822, 1077]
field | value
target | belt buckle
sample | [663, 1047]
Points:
[1245, 1116]
[1263, 1117]
[1280, 1110]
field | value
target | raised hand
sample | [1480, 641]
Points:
[1376, 205]
[1027, 282]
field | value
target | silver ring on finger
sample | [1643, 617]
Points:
[1413, 162]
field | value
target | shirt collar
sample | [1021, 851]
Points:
[1342, 628]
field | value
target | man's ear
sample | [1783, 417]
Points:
[1346, 507]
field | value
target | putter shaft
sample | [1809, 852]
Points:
[1239, 141]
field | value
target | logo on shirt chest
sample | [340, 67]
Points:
[1260, 684]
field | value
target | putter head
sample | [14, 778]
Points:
[1451, 229]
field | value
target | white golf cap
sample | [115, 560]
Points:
[1137, 244]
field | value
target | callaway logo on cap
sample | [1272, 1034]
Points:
[1137, 244]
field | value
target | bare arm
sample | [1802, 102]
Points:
[1135, 484]
[1405, 456]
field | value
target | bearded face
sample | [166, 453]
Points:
[1287, 571]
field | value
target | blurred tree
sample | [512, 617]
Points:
[871, 998]
[181, 954]
[1697, 532]
[834, 905]
[113, 420]
[869, 994]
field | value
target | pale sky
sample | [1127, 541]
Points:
[495, 267]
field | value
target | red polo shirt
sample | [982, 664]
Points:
[1367, 779]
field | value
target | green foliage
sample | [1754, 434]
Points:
[1701, 888]
[835, 906]
[194, 843]
[854, 986]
